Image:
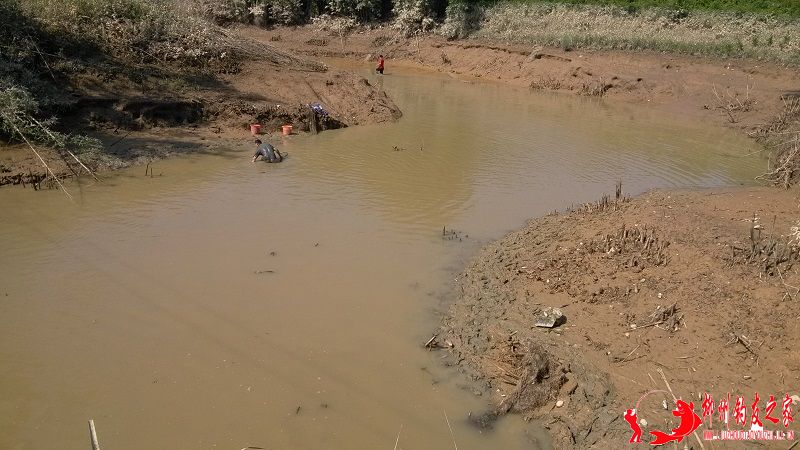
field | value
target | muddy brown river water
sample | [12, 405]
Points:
[141, 305]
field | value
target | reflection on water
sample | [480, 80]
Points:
[228, 304]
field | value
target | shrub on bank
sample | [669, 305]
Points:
[141, 29]
[18, 122]
[461, 19]
[294, 12]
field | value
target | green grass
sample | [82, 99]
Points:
[790, 8]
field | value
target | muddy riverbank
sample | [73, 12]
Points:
[285, 305]
[168, 112]
[736, 93]
[668, 282]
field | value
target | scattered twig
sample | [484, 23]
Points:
[651, 324]
[432, 342]
[44, 60]
[120, 139]
[83, 165]
[629, 354]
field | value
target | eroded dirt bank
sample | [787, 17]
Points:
[670, 281]
[729, 92]
[144, 117]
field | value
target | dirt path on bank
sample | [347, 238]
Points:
[729, 92]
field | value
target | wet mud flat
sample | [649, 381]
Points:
[682, 293]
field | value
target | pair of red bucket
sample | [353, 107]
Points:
[255, 128]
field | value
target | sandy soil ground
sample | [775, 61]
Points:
[666, 283]
[728, 92]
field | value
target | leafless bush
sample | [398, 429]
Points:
[785, 162]
[782, 137]
[786, 118]
[732, 103]
[773, 253]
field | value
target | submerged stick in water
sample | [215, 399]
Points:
[93, 435]
[451, 430]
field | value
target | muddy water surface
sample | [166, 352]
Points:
[226, 304]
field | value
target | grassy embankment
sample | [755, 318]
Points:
[789, 8]
[768, 30]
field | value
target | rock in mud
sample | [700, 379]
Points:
[550, 318]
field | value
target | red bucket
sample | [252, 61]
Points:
[287, 130]
[255, 128]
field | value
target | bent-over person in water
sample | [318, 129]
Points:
[267, 152]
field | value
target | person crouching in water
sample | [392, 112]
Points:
[268, 152]
[379, 69]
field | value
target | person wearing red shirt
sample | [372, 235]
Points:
[379, 69]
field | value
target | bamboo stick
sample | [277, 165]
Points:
[93, 435]
[49, 170]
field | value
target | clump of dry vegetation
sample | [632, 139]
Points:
[594, 88]
[733, 103]
[546, 83]
[782, 138]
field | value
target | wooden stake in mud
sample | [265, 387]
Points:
[93, 435]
